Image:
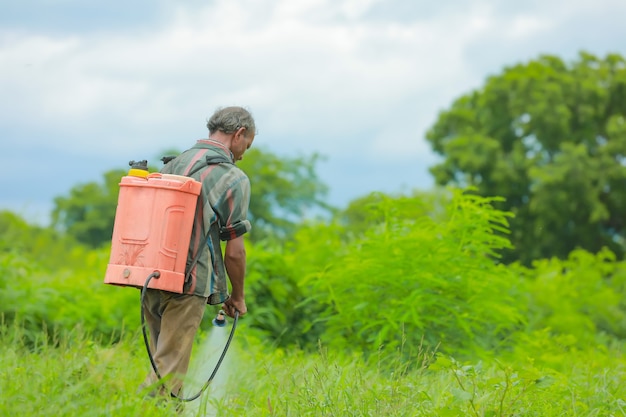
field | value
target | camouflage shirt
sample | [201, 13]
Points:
[222, 210]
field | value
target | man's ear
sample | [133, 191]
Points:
[239, 134]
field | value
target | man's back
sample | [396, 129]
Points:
[223, 204]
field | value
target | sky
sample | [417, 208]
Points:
[86, 86]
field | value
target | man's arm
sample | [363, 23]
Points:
[235, 262]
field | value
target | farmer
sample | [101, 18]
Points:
[221, 215]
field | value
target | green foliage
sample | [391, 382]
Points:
[421, 278]
[361, 213]
[19, 301]
[284, 306]
[284, 190]
[88, 213]
[550, 137]
[505, 389]
[497, 392]
[70, 375]
[61, 300]
[49, 247]
[329, 383]
[49, 281]
[74, 376]
[279, 306]
[421, 270]
[369, 211]
[383, 288]
[581, 297]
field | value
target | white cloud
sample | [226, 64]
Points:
[330, 72]
[364, 78]
[523, 26]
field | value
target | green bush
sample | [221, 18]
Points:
[277, 305]
[417, 279]
[47, 247]
[63, 299]
[582, 298]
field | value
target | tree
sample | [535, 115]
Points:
[43, 244]
[88, 213]
[283, 190]
[365, 212]
[550, 137]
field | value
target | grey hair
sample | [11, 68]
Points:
[229, 119]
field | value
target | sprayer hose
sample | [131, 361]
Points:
[156, 274]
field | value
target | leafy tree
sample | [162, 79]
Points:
[43, 244]
[88, 213]
[360, 213]
[550, 137]
[364, 212]
[285, 190]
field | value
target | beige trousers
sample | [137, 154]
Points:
[172, 320]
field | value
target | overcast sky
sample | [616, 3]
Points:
[86, 86]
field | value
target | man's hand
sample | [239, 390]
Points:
[231, 305]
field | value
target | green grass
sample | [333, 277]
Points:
[73, 375]
[296, 384]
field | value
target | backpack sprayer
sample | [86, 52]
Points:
[150, 243]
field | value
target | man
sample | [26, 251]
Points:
[221, 215]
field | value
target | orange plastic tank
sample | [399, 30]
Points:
[153, 224]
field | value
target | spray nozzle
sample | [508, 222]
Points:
[138, 168]
[139, 164]
[220, 319]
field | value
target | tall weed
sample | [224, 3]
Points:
[431, 279]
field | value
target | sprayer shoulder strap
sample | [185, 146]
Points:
[208, 160]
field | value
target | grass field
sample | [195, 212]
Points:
[72, 375]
